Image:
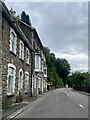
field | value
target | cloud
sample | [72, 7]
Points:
[63, 27]
[78, 61]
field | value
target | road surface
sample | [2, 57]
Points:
[59, 103]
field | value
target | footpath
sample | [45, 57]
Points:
[85, 93]
[17, 108]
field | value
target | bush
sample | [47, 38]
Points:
[82, 88]
[5, 104]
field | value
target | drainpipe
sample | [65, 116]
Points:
[31, 73]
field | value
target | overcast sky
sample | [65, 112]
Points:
[62, 26]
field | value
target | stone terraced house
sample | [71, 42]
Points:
[24, 70]
[39, 73]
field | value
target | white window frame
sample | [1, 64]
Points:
[45, 71]
[44, 58]
[21, 54]
[35, 82]
[20, 82]
[42, 66]
[39, 83]
[27, 56]
[10, 65]
[26, 82]
[44, 84]
[37, 62]
[13, 42]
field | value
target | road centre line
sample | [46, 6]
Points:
[66, 94]
[81, 105]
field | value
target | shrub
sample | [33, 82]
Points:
[5, 104]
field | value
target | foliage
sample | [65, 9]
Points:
[79, 80]
[54, 78]
[13, 13]
[24, 17]
[63, 68]
[58, 69]
[5, 104]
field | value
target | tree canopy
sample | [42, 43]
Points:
[63, 68]
[79, 81]
[58, 69]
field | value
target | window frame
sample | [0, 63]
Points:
[27, 56]
[26, 85]
[12, 47]
[45, 71]
[21, 52]
[35, 84]
[14, 77]
[37, 62]
[20, 83]
[39, 82]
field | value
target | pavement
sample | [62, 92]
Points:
[19, 108]
[12, 109]
[85, 93]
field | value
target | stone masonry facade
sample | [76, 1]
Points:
[27, 72]
[9, 57]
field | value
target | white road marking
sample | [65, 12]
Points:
[81, 105]
[66, 94]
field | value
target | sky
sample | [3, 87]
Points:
[62, 26]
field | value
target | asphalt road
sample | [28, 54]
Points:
[59, 103]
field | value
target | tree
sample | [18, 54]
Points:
[63, 69]
[58, 69]
[54, 78]
[79, 81]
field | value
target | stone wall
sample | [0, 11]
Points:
[27, 31]
[0, 61]
[9, 57]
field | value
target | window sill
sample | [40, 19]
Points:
[10, 94]
[26, 92]
[27, 63]
[38, 70]
[13, 53]
[21, 59]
